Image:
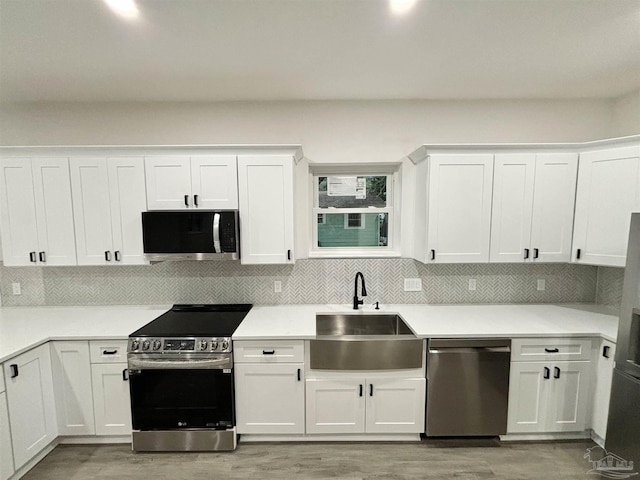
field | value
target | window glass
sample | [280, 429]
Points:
[353, 230]
[352, 191]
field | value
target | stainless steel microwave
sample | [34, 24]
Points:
[191, 235]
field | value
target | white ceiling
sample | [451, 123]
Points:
[216, 50]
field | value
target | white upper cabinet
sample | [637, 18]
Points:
[608, 192]
[533, 200]
[512, 207]
[108, 201]
[265, 192]
[459, 208]
[36, 212]
[127, 201]
[214, 182]
[176, 182]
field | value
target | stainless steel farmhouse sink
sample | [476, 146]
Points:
[364, 342]
[341, 324]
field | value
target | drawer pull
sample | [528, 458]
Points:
[268, 352]
[551, 350]
[360, 389]
[433, 254]
[110, 352]
[605, 351]
[299, 374]
[547, 373]
[556, 372]
[526, 253]
[14, 370]
[371, 389]
[125, 374]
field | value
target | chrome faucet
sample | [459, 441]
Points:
[356, 300]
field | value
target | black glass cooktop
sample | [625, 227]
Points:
[196, 321]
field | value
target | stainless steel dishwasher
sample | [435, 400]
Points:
[467, 387]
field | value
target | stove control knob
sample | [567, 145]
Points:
[146, 344]
[214, 345]
[203, 344]
[156, 344]
[224, 345]
[135, 345]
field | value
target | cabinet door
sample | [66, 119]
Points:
[32, 408]
[568, 397]
[127, 199]
[459, 211]
[17, 212]
[527, 397]
[214, 182]
[395, 406]
[336, 406]
[602, 388]
[265, 194]
[512, 207]
[6, 452]
[111, 404]
[553, 204]
[168, 179]
[270, 398]
[92, 214]
[72, 386]
[54, 212]
[608, 191]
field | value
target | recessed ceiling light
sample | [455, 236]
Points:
[400, 7]
[125, 8]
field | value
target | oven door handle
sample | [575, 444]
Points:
[179, 363]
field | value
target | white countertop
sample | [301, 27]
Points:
[428, 321]
[22, 328]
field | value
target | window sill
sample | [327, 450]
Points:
[354, 254]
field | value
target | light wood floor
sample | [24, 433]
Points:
[280, 461]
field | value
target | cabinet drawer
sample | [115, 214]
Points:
[108, 351]
[540, 349]
[268, 351]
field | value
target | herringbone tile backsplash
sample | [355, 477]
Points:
[308, 281]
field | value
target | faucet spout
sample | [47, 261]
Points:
[356, 300]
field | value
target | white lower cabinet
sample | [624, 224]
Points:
[602, 388]
[365, 405]
[111, 400]
[31, 402]
[6, 452]
[270, 398]
[72, 385]
[336, 405]
[548, 397]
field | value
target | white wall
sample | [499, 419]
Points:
[328, 131]
[626, 115]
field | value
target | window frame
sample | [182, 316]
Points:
[391, 171]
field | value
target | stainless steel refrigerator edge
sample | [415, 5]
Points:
[623, 430]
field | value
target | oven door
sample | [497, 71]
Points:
[181, 392]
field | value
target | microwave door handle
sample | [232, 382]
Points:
[216, 233]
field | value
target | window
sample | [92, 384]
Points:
[354, 212]
[353, 220]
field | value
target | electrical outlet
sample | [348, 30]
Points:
[277, 286]
[16, 288]
[412, 284]
[472, 284]
[541, 284]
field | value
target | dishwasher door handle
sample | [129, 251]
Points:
[470, 350]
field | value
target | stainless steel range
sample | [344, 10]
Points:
[181, 379]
